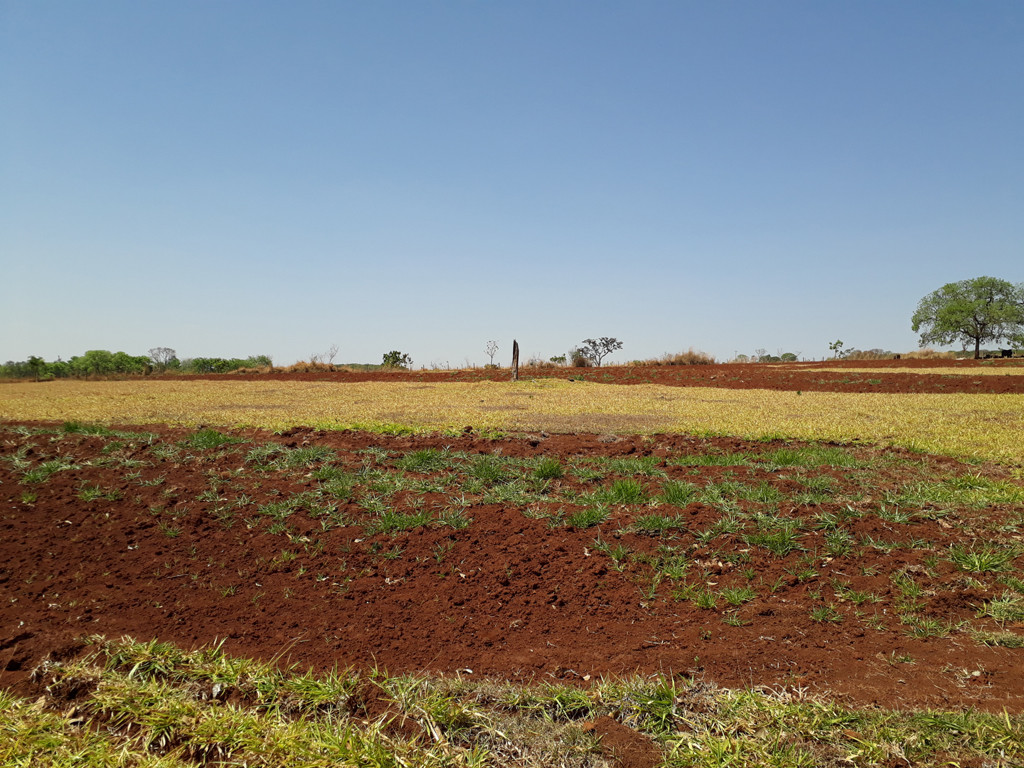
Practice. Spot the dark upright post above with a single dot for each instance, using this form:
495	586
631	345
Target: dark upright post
515	360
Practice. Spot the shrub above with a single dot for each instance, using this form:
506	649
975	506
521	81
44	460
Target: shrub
689	357
577	359
396	359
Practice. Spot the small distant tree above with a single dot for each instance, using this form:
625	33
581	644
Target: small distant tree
836	348
332	352
597	350
492	350
978	310
37	365
163	357
396	359
558	359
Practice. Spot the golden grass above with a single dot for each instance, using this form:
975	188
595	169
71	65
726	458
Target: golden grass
966	425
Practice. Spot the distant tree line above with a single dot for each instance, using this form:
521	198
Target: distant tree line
101	362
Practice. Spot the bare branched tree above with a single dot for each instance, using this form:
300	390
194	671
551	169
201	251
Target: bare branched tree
162	356
492	350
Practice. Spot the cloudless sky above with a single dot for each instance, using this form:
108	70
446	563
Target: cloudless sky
243	177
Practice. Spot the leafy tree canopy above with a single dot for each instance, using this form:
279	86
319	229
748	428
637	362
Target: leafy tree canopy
596	350
978	310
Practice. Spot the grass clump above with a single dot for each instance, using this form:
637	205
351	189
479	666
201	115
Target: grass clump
656	524
209	439
982	558
677	494
588	517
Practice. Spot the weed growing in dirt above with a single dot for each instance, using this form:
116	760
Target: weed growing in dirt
208	440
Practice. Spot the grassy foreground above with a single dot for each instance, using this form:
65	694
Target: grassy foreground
153	704
970	426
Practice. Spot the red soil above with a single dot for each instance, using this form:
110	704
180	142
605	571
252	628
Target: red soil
509	597
781	376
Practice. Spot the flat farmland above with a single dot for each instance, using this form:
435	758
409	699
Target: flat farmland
454	571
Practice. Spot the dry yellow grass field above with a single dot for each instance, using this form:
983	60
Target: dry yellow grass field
979	426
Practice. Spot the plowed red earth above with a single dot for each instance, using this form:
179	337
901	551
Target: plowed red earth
509	596
781	376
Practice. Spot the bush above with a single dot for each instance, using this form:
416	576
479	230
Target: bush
689	357
396	359
869	354
929	354
577	359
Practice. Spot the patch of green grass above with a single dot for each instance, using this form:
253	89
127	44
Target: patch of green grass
737	595
656	524
588	517
677	494
1003	639
491	470
982	558
826	614
923	627
145	695
810	456
712	460
972	491
454	517
646	466
779	535
90	492
42	471
425	460
392	521
208	440
1007	608
548	468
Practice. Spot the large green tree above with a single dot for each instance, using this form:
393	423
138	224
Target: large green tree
979	310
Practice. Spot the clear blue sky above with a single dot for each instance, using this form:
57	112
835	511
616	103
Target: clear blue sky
236	178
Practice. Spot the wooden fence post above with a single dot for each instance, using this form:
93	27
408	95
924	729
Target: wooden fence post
515	360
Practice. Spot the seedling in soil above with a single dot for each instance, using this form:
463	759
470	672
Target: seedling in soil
923	627
1008	608
826	614
95	492
454	517
704	599
617	553
737	595
838	543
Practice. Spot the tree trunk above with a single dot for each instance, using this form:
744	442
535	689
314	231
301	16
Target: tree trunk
977	348
515	360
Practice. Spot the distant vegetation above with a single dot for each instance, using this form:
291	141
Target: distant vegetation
102	363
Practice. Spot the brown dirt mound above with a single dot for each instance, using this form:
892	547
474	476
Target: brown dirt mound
510	596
